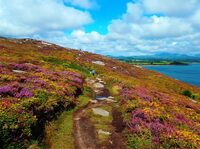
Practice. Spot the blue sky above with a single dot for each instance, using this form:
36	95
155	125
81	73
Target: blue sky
106	11
109	27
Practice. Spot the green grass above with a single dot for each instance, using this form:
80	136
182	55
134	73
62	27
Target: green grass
59	134
114	90
85	98
66	64
143	141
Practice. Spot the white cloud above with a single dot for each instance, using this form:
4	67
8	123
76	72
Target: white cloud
83	37
147	26
29	17
87	4
171	7
195	18
139	32
134	24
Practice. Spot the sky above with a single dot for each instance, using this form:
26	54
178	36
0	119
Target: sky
108	27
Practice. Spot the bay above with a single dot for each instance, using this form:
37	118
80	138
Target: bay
186	73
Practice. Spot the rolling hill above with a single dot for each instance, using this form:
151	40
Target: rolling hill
48	98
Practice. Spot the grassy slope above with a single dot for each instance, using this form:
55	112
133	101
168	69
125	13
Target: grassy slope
147	98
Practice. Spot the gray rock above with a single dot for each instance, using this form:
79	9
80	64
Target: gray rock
110	100
77	119
111	97
100	111
98	85
19	71
93	101
101	98
103	132
98	63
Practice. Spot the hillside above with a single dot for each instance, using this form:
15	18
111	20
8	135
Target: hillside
48	97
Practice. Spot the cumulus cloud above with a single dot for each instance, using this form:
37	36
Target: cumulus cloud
195	18
152	26
171	7
147	26
29	17
86	4
83	37
136	24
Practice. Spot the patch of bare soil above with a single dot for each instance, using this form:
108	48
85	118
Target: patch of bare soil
103	92
85	134
116	140
118	122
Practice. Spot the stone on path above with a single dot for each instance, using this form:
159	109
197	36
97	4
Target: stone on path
100	111
110	100
101	98
93	101
111	97
103	132
102	82
90	81
98	85
99	79
77	119
97	90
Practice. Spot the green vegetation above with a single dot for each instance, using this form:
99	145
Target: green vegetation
84	99
188	93
143	141
59	133
66	64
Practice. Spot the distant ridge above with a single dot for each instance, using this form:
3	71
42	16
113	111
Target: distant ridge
162	56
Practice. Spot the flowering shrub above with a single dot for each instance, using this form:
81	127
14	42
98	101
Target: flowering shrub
26	67
29	99
15	90
163	116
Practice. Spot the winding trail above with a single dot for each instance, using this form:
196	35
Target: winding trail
85	134
84	131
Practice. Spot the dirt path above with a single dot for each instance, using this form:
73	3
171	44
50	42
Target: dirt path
84	131
85	134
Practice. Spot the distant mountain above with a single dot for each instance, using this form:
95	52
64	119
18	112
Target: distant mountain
163	56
